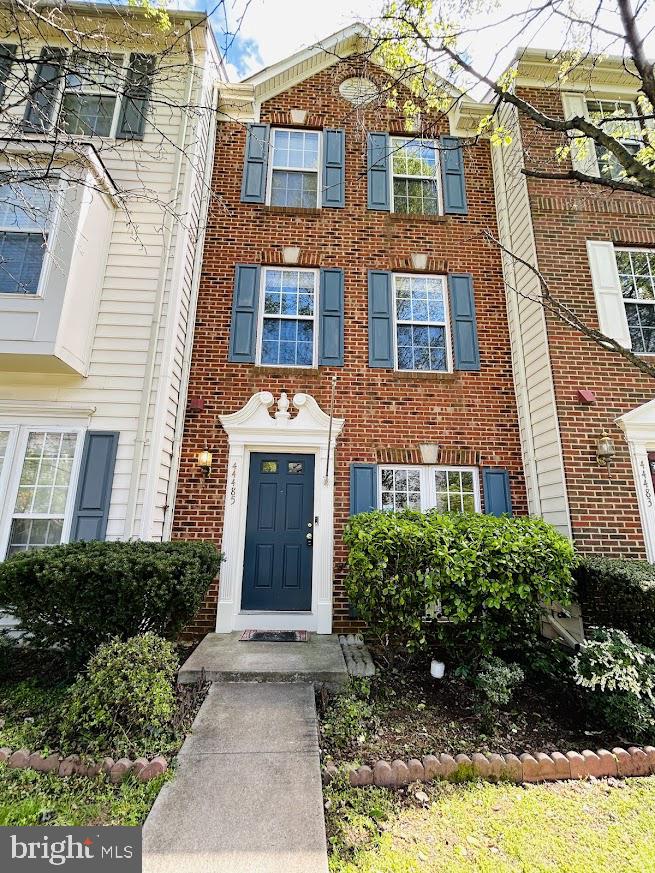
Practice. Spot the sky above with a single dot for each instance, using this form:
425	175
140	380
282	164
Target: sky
270	30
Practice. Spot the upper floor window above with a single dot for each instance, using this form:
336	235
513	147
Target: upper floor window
618	115
421	331
415	176
446	489
637	276
287	328
295	168
90	99
25	218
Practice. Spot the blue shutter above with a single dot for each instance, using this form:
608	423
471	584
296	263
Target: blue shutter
245	304
7	58
94	486
497	498
138	87
330	323
378	171
363	488
43	90
462	319
255	164
334	167
380	321
452	175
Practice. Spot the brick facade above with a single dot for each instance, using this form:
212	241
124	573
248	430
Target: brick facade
565	214
387	414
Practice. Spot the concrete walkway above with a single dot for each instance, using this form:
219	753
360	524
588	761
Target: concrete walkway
247	794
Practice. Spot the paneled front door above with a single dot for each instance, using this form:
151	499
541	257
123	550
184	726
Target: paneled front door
277	567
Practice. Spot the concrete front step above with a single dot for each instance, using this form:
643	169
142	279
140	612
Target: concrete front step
225	658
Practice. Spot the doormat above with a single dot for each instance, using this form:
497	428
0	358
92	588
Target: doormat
262	636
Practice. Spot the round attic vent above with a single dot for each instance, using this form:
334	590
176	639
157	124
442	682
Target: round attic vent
358	91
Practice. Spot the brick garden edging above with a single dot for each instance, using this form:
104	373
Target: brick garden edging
540	767
143	769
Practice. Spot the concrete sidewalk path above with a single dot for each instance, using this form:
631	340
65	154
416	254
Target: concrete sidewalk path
247	795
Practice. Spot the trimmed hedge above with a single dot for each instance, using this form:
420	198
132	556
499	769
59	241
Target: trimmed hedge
76	596
489	574
618	593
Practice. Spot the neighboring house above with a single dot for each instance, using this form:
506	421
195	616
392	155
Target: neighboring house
98	269
596	250
344	272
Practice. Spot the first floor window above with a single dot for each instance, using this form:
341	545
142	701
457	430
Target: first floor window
287	323
415	170
637	276
421	332
614	117
446	489
25	216
294	168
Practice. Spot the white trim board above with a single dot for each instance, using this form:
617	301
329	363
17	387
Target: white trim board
638	426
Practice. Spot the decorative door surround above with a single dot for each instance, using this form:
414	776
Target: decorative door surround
253	428
638	425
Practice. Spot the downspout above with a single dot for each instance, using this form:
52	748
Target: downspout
155	327
176	453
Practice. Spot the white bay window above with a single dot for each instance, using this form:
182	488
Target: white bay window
446	489
25	221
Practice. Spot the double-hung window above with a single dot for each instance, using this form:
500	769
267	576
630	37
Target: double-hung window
616	114
91	89
287	324
25	217
421	323
415	168
637	277
295	168
446	489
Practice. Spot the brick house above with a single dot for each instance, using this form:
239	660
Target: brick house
351	347
596	250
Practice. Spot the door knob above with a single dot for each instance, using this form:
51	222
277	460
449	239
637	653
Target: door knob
310	538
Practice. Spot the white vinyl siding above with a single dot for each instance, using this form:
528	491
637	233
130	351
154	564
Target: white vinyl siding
446	489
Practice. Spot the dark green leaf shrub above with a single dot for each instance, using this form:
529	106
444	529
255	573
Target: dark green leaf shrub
124	702
487	574
73	597
618	593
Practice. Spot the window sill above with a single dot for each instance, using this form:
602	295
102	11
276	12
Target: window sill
272	370
293	210
421	376
411	217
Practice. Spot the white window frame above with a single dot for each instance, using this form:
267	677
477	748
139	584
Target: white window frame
636	249
449	353
271	167
14	464
609	99
437	177
428	486
49	234
314	318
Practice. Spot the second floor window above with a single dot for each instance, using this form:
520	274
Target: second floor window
415	169
294	168
25	216
422	341
637	276
616	114
90	98
287	322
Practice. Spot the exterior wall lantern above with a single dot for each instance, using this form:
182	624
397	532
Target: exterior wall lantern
605	449
205	461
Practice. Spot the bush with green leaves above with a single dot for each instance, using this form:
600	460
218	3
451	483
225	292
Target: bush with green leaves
487	576
498	680
618	593
619	678
74	597
124	702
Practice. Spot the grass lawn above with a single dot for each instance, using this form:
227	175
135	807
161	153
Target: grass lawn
571	827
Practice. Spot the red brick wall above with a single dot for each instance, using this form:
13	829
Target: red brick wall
382	409
604	510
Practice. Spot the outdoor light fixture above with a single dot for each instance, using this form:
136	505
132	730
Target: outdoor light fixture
605	449
205	461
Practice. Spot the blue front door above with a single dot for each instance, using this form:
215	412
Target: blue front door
277	566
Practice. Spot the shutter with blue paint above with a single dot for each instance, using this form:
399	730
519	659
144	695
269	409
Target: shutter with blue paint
330	322
94	486
497	497
462	319
7	58
334	167
43	90
452	176
380	321
255	164
138	87
378	171
245	303
363	488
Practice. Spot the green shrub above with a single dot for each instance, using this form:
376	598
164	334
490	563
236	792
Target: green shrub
619	677
76	596
497	680
124	702
488	575
618	593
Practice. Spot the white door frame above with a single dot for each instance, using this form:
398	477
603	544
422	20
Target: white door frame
254	429
638	426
